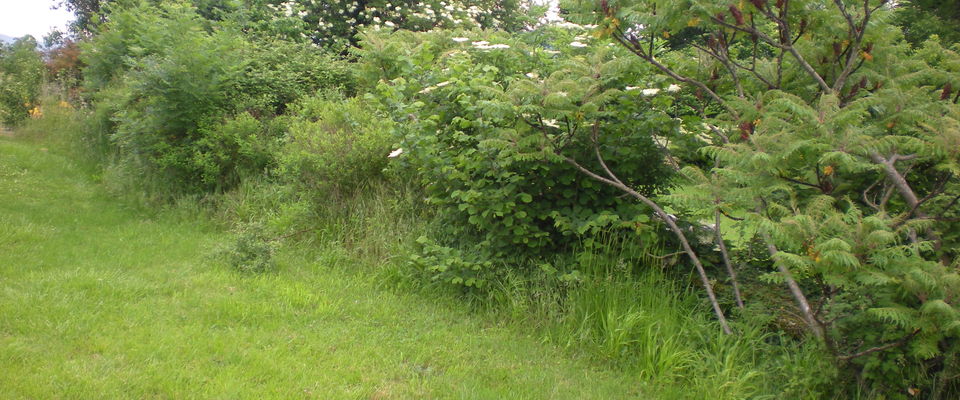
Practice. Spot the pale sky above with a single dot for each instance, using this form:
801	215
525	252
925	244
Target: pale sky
32	17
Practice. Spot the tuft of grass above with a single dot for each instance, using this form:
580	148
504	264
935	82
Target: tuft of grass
98	300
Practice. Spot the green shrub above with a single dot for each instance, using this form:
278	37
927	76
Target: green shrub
135	31
21	78
335	147
478	120
277	73
175	98
192	103
226	152
838	154
251	251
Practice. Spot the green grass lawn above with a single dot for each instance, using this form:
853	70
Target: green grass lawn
98	300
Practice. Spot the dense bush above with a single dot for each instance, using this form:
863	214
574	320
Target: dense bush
251	252
278	72
335	147
192	105
922	19
478	120
21	78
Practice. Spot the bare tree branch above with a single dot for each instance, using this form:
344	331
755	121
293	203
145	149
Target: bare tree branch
783	44
872	350
612	180
726	257
635	48
895	177
812	322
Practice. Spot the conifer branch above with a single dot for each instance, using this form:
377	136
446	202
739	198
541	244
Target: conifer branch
952	203
726	214
866	195
895	177
908	194
939	189
795	290
753	71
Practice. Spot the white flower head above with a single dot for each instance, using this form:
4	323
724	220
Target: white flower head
568	25
396	153
577	44
673	88
650	92
532	75
551	123
628	88
461	39
484	45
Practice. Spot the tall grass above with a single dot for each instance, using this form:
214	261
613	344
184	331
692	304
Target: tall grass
617	305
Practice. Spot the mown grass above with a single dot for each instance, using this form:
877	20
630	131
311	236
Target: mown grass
99	300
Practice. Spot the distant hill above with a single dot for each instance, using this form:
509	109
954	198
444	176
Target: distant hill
6	39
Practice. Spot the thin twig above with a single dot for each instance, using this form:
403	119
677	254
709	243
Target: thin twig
872	350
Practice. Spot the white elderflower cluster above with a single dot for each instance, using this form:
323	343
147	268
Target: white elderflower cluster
552	15
339	19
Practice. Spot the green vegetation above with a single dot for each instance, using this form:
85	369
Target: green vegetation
748	200
21	77
101	300
481	158
825	147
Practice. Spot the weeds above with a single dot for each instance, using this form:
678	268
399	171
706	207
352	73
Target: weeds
251	252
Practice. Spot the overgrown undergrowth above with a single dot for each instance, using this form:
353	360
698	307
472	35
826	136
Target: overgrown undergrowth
606	302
